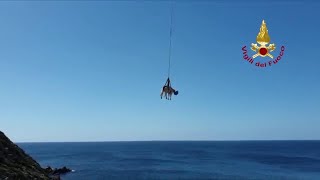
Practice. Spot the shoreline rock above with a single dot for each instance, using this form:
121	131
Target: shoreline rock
16	164
57	171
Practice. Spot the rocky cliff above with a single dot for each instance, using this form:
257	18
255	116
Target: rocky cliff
16	164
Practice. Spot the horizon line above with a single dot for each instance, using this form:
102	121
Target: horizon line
110	141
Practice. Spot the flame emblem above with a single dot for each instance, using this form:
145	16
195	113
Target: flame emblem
263	39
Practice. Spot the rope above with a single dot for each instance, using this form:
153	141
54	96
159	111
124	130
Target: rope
170	42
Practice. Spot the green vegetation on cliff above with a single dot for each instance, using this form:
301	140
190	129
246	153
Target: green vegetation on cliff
16	164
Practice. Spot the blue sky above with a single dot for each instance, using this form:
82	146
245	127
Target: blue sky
93	71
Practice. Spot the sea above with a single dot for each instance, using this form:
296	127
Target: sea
181	159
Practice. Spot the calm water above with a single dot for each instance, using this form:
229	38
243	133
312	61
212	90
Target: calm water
182	160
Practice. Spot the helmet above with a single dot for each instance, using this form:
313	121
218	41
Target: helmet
176	93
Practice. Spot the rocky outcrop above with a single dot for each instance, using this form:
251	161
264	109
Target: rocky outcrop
15	164
57	171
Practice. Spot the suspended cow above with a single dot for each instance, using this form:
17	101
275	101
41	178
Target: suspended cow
167	90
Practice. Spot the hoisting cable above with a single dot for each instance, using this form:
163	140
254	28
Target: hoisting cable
170	42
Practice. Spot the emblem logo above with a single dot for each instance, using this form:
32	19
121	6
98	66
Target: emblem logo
263	49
